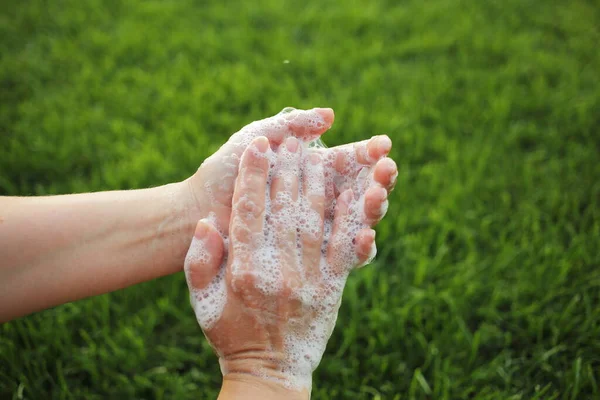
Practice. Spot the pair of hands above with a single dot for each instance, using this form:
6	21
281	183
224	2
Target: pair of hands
284	226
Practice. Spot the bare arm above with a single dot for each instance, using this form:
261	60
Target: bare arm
58	249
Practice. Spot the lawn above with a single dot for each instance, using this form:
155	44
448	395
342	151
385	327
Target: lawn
487	282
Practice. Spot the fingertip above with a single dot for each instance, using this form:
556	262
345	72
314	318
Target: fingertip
366	247
255	156
306	125
315	159
214	243
261	143
379	193
209	236
380	146
202	228
386	173
388	164
374	204
371	234
292	144
327	114
384	144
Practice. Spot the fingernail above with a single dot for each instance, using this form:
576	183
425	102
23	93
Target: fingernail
381	193
292	144
262	144
384	144
315	159
201	229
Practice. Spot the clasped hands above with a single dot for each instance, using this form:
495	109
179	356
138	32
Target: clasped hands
284	224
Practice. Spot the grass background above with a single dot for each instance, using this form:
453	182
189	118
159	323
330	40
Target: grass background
487	284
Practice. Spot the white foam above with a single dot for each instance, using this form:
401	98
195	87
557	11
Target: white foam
208	303
273	252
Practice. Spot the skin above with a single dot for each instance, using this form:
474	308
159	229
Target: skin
57	249
252	358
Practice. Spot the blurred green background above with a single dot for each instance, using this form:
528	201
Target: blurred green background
487	284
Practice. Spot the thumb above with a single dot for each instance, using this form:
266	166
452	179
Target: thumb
204	257
305	125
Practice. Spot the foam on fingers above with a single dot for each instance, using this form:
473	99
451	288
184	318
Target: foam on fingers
205	256
386	173
306	125
366	248
285	207
248	205
375	204
220	169
204	273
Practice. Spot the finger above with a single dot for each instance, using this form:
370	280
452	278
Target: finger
374	149
204	274
366	152
306	125
284	194
203	260
284	187
247	214
248	204
313	187
386	173
340	252
352	162
375	205
365	247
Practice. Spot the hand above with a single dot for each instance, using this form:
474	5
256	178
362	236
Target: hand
210	189
271	309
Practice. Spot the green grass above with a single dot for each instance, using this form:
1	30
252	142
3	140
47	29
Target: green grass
487	284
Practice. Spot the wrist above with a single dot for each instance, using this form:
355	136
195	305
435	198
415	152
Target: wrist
272	368
238	385
174	233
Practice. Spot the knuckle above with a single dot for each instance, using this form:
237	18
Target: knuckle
254	174
312	236
317	201
241	233
280	200
243	283
249	207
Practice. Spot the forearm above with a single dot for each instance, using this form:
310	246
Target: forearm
62	248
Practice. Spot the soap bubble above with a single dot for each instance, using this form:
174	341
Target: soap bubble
304	345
